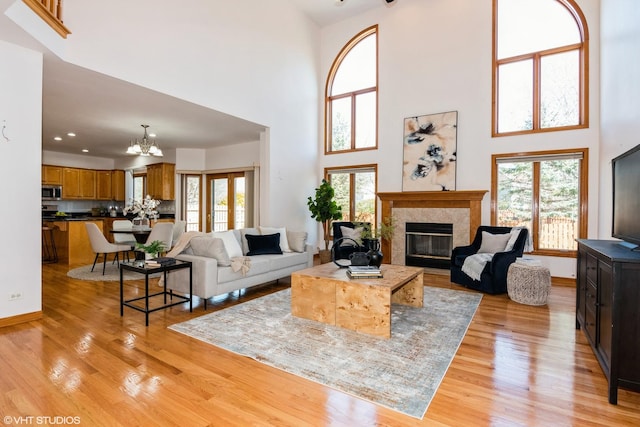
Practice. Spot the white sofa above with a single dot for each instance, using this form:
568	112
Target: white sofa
212	276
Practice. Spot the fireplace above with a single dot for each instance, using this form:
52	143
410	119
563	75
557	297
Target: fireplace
428	244
460	208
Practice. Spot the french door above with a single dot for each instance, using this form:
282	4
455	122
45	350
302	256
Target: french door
226	201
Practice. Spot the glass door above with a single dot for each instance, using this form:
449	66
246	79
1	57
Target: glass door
226	201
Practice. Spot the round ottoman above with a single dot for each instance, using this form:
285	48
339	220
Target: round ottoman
528	284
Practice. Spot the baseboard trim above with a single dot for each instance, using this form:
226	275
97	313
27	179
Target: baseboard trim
563	281
21	318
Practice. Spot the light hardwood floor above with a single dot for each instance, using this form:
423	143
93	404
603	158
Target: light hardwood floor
517	365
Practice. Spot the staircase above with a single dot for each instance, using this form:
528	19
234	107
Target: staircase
51	12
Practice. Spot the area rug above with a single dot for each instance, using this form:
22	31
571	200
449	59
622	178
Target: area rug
111	273
401	373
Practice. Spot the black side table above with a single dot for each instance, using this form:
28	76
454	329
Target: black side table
142	268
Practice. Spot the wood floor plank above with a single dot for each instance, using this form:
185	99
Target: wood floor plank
517	365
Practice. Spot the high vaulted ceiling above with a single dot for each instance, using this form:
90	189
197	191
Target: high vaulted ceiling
106	113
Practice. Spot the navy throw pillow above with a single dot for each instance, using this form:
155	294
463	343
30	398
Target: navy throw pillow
263	244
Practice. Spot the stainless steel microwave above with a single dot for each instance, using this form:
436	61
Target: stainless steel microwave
51	192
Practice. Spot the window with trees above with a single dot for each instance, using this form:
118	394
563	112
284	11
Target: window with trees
352	96
355	191
540	52
191	201
139	186
545	192
227	196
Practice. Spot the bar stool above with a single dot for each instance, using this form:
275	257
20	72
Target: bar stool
49	252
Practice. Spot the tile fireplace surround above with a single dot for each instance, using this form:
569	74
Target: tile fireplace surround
460	208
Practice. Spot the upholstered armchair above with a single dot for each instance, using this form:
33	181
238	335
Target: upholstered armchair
487	270
343	248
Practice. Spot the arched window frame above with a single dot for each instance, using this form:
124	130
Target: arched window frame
329	98
536	57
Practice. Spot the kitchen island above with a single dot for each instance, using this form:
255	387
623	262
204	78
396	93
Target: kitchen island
72	240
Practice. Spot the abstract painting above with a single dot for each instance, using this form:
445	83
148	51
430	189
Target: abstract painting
430	152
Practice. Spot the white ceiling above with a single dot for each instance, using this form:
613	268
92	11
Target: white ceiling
106	113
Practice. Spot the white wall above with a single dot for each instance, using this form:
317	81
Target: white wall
435	56
76	160
620	102
252	59
20	159
233	156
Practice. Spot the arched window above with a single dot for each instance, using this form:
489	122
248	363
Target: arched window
351	110
540	80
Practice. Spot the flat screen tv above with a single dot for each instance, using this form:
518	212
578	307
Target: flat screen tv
626	196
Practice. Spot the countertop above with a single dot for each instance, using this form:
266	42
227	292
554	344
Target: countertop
84	217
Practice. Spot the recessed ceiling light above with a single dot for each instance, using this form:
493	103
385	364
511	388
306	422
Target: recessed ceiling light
84	150
71	134
57	138
152	135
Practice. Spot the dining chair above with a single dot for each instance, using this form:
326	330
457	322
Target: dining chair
101	245
124	238
162	231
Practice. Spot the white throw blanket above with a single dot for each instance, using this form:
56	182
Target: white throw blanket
474	264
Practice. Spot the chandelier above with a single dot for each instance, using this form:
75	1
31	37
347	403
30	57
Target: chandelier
145	147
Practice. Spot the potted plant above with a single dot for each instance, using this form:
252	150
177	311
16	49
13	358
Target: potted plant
152	249
324	209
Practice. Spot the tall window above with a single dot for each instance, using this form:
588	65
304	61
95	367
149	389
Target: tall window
139	186
352	95
355	191
540	79
545	192
191	201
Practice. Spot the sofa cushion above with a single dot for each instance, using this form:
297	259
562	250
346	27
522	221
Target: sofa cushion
284	244
210	247
297	240
231	244
243	238
258	265
287	260
263	244
492	243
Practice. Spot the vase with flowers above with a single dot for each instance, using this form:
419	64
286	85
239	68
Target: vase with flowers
145	210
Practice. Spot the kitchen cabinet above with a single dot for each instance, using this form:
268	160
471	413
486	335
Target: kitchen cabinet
104	189
78	183
87	184
70	183
51	175
117	185
160	181
607	299
72	241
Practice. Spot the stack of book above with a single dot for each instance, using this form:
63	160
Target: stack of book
159	262
364	272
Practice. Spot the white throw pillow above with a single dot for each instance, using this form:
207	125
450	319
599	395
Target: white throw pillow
297	240
284	243
231	244
210	247
351	233
492	243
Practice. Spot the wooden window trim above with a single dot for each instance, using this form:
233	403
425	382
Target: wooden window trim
328	98
583	49
185	177
583	211
354	168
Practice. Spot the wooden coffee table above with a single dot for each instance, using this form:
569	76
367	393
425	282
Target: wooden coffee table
325	294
